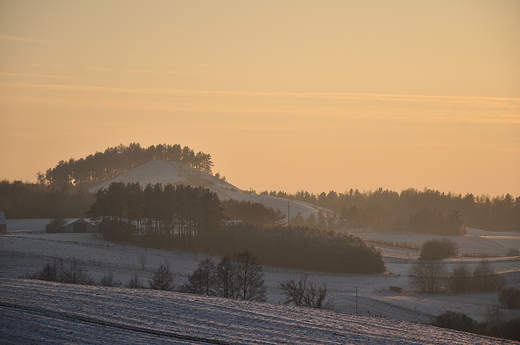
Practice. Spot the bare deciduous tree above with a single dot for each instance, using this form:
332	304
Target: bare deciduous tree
305	293
427	275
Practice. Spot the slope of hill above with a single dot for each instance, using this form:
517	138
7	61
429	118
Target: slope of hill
165	172
43	312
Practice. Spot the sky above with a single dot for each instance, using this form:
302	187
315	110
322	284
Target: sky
285	95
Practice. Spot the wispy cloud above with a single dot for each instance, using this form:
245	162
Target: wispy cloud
36	75
335	107
130	70
25	39
202	65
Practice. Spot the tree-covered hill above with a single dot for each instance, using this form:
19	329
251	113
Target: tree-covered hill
117	160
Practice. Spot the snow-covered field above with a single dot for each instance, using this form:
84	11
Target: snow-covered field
35	312
26	249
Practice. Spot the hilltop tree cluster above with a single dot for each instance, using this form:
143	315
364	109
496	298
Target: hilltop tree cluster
117	160
165	216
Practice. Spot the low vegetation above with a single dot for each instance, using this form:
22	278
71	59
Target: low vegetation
509	329
64	272
431	276
510	297
299	248
438	249
305	293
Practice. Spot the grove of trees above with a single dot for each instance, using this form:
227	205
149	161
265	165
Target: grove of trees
117	160
169	216
237	277
431	276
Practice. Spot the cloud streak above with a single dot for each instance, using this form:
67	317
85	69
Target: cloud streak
24	39
36	75
406	108
129	70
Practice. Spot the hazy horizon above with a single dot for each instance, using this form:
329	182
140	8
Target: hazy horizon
285	95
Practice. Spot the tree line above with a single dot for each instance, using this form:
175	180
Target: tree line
386	210
185	217
117	160
31	200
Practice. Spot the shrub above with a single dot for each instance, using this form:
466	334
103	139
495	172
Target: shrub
485	278
459	280
305	293
438	249
202	280
427	275
109	280
60	272
510	297
54	225
135	282
457	321
162	279
510	329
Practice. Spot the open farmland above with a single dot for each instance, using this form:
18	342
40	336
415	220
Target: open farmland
44	312
26	249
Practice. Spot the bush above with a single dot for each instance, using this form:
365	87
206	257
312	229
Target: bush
460	279
457	321
60	272
162	279
305	293
510	297
427	275
135	282
202	280
486	279
54	225
510	329
438	249
109	280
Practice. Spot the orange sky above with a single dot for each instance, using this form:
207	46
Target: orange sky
285	95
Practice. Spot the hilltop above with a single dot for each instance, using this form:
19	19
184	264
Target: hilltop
171	172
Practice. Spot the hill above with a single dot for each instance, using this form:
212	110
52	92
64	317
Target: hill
165	172
43	312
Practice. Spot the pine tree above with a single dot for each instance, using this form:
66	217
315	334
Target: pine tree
162	279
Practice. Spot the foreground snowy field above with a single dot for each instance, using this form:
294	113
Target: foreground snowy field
36	312
26	250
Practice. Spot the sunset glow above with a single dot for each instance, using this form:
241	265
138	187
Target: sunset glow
285	95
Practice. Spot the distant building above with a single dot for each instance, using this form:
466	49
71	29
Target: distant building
78	225
3	222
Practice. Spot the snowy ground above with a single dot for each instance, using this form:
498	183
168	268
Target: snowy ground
25	250
36	312
166	172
